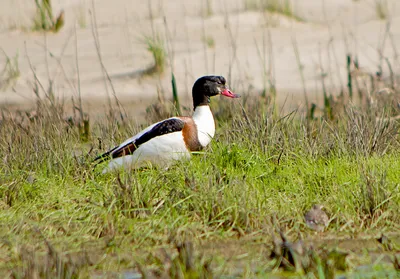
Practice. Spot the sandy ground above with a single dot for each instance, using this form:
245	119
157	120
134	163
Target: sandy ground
250	47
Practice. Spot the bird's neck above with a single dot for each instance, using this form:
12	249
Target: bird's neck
204	120
200	100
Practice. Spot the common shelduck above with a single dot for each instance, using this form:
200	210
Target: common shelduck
173	138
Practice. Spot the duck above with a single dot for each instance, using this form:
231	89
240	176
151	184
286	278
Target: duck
174	138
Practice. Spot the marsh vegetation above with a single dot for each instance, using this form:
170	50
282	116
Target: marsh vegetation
236	209
260	175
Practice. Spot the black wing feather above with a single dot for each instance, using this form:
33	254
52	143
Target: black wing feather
165	127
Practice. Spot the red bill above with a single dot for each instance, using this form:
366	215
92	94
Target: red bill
226	92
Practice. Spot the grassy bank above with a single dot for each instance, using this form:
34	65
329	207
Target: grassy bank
60	217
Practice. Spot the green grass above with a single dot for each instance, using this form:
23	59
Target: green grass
155	45
209	41
258	176
44	19
283	7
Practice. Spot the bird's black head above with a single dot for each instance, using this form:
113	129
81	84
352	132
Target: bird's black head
208	86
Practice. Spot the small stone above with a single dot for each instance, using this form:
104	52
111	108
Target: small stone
30	179
316	218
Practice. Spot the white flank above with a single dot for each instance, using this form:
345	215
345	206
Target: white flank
204	120
159	151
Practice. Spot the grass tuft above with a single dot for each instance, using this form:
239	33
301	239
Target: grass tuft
181	262
155	46
50	264
44	19
283	7
381	9
209	41
10	72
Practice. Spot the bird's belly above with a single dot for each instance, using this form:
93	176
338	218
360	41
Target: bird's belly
159	151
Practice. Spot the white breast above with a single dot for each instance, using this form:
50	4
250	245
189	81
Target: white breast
204	120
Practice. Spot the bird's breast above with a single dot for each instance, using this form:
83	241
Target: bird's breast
205	124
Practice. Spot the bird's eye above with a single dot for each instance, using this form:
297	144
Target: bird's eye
219	82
